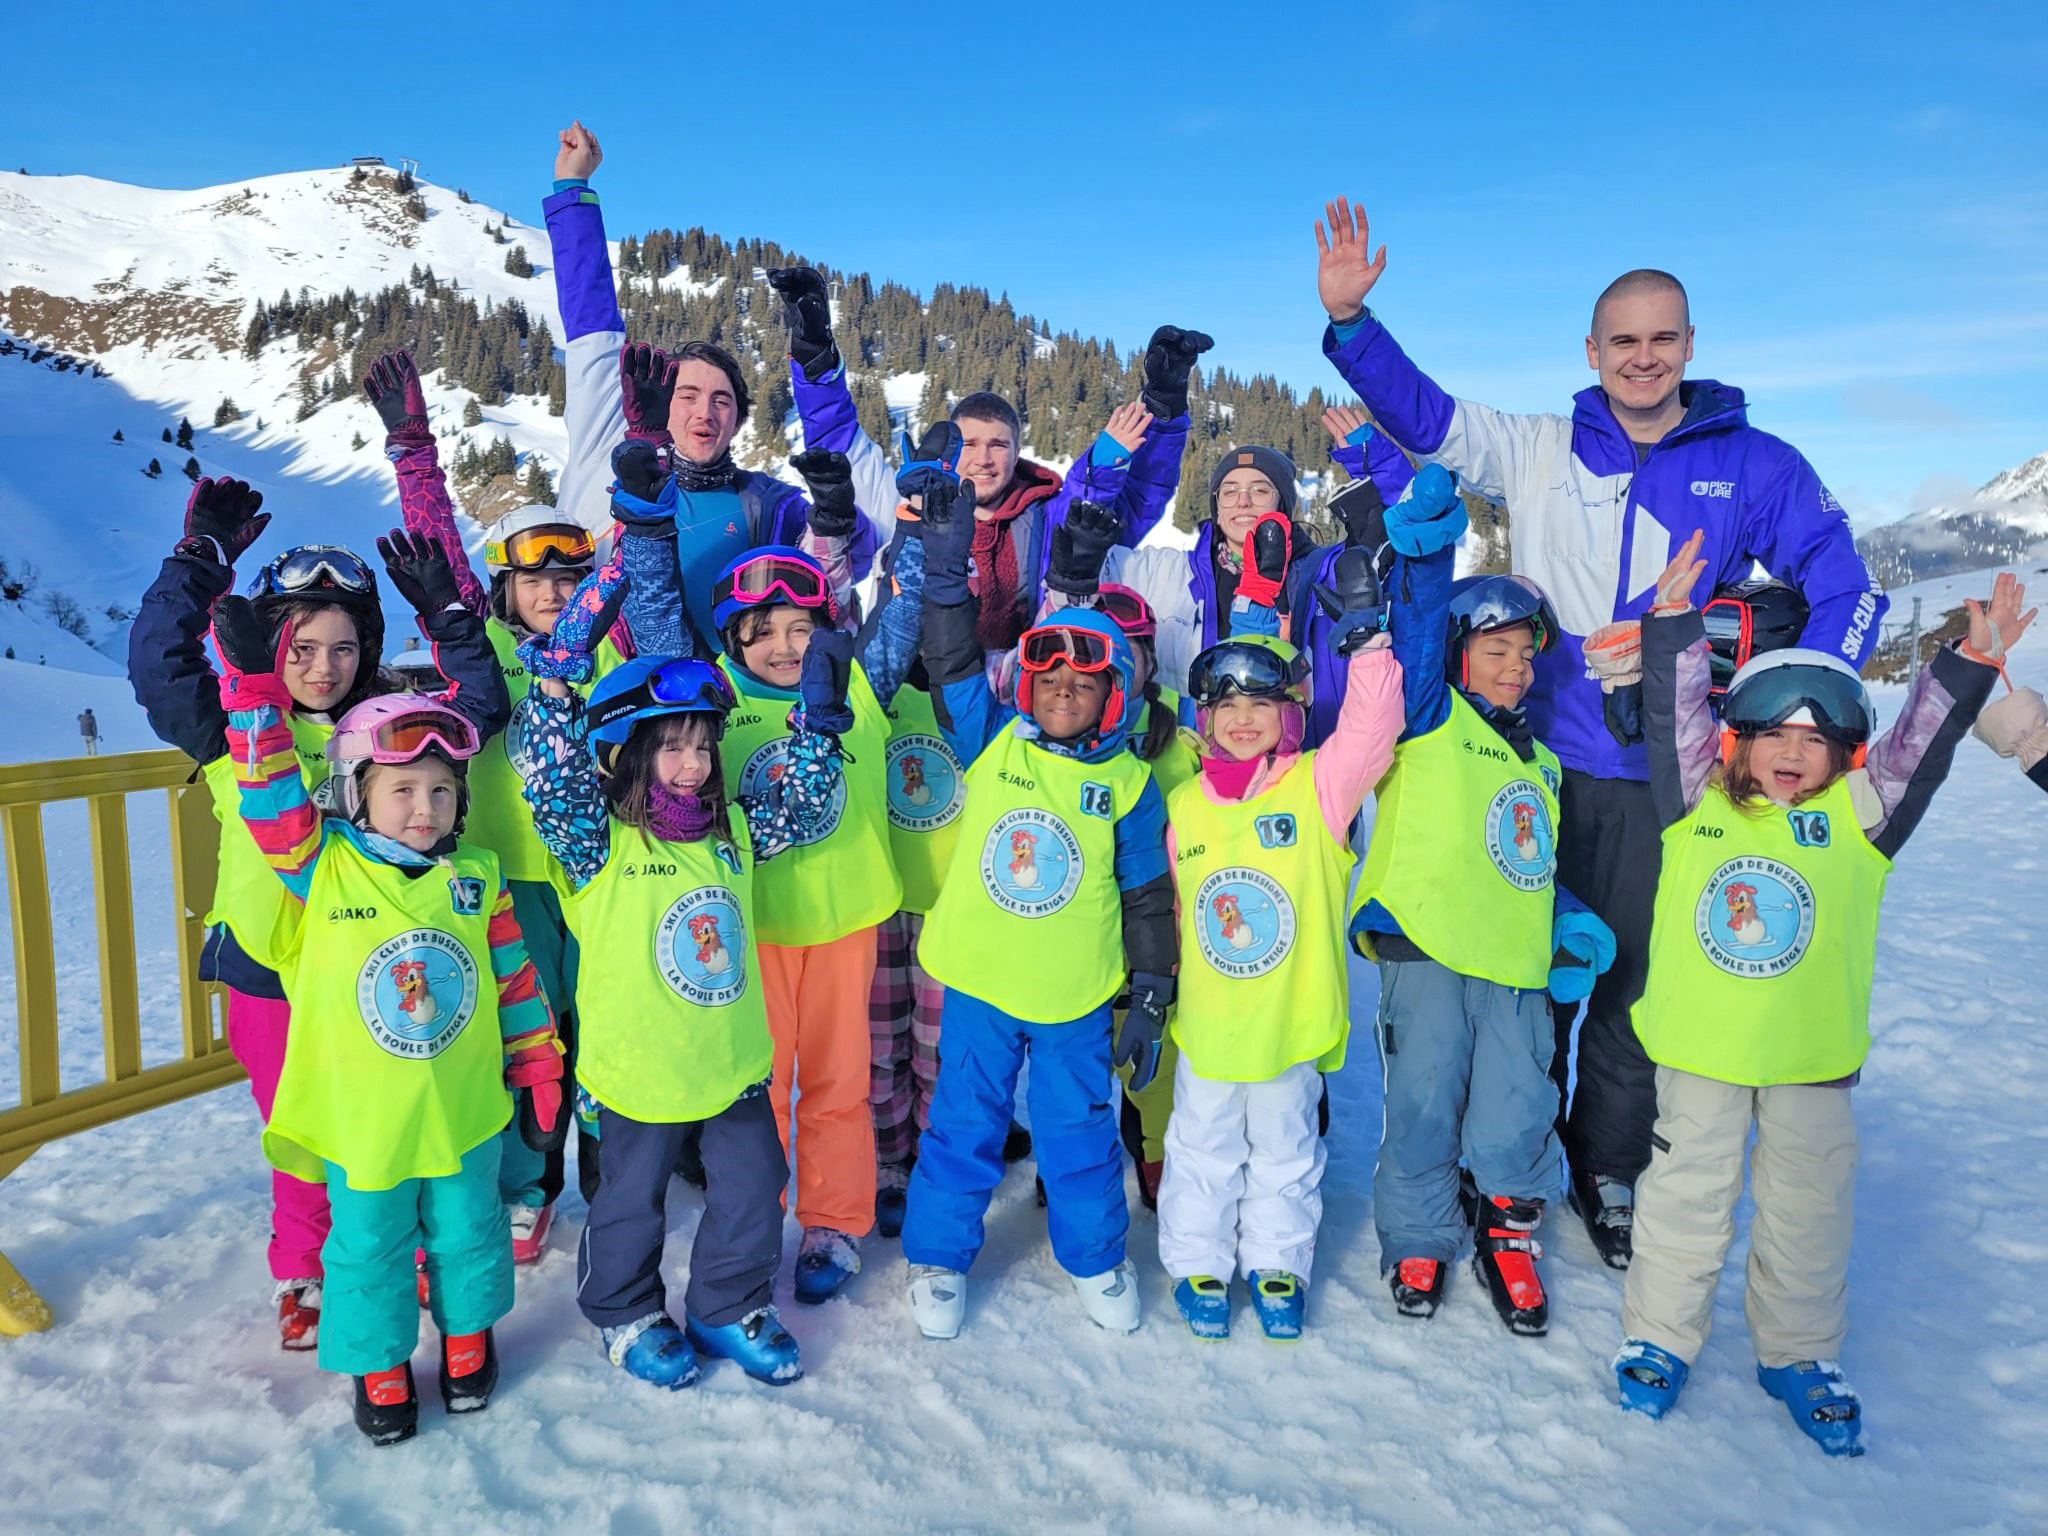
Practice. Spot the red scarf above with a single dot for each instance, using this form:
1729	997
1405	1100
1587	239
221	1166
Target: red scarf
993	578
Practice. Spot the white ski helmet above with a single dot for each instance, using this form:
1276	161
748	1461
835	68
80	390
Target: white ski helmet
1798	686
530	537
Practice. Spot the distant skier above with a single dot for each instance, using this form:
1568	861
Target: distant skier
89	732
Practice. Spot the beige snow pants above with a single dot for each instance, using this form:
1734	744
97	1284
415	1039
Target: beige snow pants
1802	1173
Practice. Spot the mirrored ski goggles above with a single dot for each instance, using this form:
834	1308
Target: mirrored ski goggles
531	549
1731	637
1836	705
1133	615
691	684
313	568
402	738
1251	670
773	576
1051	645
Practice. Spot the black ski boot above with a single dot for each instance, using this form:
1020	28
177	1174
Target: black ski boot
1504	1255
1608	1208
469	1371
1418	1286
387	1407
1016	1143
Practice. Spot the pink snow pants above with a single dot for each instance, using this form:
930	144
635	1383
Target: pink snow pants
299	1217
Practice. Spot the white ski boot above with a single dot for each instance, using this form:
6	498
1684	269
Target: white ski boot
938	1300
1111	1298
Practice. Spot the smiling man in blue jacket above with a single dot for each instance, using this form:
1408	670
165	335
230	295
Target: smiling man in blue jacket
1597	503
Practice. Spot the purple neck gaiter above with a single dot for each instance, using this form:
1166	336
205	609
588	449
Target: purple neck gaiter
677	818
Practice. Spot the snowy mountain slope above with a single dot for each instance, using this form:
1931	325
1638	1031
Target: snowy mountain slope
2005	520
160	1402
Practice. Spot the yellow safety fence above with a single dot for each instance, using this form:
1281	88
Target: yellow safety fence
47	1111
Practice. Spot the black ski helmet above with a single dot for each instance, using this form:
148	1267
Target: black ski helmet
1750	618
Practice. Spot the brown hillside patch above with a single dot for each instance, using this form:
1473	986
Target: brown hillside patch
95	326
377	202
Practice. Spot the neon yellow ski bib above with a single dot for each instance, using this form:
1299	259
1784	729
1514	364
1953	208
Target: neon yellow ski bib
1029	916
1764	942
499	818
1464	850
927	788
1182	759
395	1063
671	1021
247	894
842	878
1261	888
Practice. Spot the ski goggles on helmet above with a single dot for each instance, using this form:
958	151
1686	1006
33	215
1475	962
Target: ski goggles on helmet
680	685
774	577
315	568
1482	604
1051	645
1748	620
1133	615
1818	695
532	549
402	733
1239	666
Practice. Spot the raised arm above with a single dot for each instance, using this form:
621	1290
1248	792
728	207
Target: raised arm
791	808
420	571
1678	721
1360	748
392	386
593	330
824	404
569	813
274	800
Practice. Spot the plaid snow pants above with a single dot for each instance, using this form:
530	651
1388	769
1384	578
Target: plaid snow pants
903	1034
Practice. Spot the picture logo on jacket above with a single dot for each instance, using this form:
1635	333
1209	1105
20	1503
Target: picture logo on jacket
1755	917
700	947
417	992
767	765
1722	489
1030	863
1519	837
926	788
1244	922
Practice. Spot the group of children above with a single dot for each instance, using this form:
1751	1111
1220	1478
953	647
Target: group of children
664	875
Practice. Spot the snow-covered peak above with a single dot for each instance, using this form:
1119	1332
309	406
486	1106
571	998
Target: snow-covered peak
2022	481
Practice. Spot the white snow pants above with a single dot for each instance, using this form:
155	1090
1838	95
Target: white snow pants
1244	1174
1802	1173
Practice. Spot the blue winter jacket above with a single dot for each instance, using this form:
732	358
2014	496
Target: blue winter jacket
1594	526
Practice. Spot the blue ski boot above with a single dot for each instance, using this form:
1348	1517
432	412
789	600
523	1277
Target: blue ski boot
1649	1378
1205	1302
758	1342
1279	1299
1824	1405
824	1263
654	1350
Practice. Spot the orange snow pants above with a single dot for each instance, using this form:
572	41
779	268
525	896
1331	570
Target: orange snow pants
817	997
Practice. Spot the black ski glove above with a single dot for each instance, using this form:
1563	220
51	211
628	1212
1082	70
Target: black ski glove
1169	358
828	670
830	478
1363	512
643	497
1078	547
947	528
1353	599
1621	707
647	381
221	520
419	569
247	643
808	314
1142	1027
393	386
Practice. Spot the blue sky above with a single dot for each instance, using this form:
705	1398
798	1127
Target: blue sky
1855	194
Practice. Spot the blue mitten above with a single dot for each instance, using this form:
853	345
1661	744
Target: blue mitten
1584	949
1430	516
828	670
570	652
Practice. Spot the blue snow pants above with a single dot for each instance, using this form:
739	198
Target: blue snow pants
369	1309
1073	1131
1467	1066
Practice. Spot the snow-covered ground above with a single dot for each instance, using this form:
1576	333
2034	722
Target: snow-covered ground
161	1403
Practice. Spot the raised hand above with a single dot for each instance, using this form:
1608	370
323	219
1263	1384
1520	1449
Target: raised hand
578	154
221	520
1674	587
1353	599
568	654
419	569
1431	516
807	311
828	672
247	645
1340	421
1995	631
1079	546
829	476
1267	549
930	465
393	386
647	382
1169	359
1345	269
1128	424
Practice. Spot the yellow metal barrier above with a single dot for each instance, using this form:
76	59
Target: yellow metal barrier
46	1112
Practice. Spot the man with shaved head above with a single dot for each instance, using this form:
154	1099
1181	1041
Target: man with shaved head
1598	501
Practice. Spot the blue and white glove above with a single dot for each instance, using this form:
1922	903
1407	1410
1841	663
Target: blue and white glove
570	653
1583	950
1430	516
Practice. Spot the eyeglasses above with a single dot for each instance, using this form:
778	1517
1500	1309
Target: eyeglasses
1260	495
1052	645
1133	615
313	568
795	581
402	738
1252	670
530	549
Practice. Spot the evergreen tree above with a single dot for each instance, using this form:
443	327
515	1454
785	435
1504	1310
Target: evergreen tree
516	262
184	438
167	434
416	208
191	469
472	413
154	469
404	183
462	196
226	413
357	441
117	436
536	485
309	398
